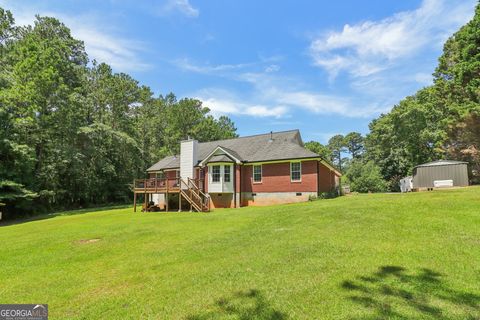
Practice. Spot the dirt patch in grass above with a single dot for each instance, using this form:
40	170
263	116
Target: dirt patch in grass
87	241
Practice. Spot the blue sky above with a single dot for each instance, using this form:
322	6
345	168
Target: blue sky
325	67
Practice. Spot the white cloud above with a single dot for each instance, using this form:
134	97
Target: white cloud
221	102
186	65
369	47
291	94
272	68
264	64
121	54
182	6
279	98
102	43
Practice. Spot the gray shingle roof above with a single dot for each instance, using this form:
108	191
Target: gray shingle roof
220	158
283	145
441	163
169	162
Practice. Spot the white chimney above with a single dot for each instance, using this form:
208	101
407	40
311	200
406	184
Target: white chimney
188	158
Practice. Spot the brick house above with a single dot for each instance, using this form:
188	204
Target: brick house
262	169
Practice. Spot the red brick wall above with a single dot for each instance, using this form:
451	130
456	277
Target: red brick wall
170	174
326	178
223	200
276	178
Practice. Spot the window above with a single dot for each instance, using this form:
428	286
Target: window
257	173
215	173
226	173
296	171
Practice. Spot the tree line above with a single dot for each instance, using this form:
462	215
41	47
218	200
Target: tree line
441	121
73	133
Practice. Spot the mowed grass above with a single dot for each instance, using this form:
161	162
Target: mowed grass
378	256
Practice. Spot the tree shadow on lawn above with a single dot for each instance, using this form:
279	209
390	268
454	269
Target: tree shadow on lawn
242	305
394	293
45	216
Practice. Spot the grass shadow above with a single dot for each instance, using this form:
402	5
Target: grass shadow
392	292
45	216
242	305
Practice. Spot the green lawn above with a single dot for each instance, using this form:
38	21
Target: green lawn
398	256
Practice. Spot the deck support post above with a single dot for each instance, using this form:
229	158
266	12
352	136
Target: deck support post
134	202
166	201
180	201
145	202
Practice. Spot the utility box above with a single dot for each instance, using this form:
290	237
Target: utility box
406	184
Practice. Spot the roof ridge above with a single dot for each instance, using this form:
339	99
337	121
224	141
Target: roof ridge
253	135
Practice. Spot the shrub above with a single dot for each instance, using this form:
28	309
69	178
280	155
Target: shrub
365	177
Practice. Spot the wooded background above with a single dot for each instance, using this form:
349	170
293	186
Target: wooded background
74	134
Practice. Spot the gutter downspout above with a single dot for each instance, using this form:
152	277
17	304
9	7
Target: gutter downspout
234	185
240	195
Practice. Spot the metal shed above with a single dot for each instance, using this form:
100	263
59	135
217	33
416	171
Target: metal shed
441	173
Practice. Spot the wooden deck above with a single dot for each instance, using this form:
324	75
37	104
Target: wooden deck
191	190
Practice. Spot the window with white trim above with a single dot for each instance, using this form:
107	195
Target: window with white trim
226	173
296	171
215	173
257	173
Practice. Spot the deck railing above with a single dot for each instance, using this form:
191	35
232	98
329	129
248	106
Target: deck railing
164	184
157	184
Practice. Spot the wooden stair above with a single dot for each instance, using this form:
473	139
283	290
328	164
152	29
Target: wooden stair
192	193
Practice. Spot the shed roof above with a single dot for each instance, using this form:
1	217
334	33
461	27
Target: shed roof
282	145
441	163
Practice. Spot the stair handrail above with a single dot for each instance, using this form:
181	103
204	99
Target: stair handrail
198	197
203	203
192	202
197	188
206	197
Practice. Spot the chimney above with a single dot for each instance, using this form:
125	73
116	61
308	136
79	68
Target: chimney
188	158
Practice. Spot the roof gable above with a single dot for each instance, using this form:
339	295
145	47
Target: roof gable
222	152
